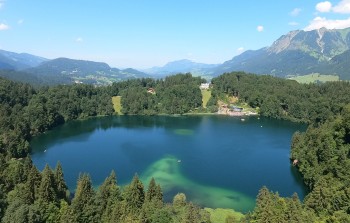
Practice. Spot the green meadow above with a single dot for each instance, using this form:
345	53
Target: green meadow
313	78
206	94
117	104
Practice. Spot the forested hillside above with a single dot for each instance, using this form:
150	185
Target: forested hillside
323	155
284	99
176	94
69	71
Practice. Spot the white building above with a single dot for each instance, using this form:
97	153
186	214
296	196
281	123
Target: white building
204	86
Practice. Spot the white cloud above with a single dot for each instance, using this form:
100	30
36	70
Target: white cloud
19	22
240	50
324	6
295	12
260	28
293	23
320	22
1	3
342	7
79	40
3	26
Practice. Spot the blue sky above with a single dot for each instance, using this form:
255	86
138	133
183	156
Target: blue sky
146	33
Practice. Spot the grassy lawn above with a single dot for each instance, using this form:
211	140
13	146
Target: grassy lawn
312	78
117	104
206	94
219	215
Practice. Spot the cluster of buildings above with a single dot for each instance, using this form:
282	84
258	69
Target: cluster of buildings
233	110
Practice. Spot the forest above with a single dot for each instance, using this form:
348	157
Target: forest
284	99
28	195
177	94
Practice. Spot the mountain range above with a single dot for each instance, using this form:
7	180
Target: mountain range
296	53
41	71
180	66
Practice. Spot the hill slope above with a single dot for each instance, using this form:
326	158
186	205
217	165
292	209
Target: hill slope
65	70
18	61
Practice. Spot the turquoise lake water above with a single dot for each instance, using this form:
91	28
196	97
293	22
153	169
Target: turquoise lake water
217	161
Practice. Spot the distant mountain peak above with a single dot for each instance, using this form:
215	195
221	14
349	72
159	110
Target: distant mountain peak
299	52
180	66
283	42
321	43
182	61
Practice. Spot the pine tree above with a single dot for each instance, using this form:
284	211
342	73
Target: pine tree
134	195
154	192
295	209
33	183
27	165
66	214
61	186
82	203
47	192
107	197
319	198
264	206
153	201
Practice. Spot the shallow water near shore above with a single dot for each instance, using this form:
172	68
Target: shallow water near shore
217	161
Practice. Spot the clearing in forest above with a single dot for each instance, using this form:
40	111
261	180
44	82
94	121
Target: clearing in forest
117	104
206	94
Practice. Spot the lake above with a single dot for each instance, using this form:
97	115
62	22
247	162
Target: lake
217	161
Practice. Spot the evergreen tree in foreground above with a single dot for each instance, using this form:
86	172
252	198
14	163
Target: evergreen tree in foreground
61	187
108	199
134	196
83	202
